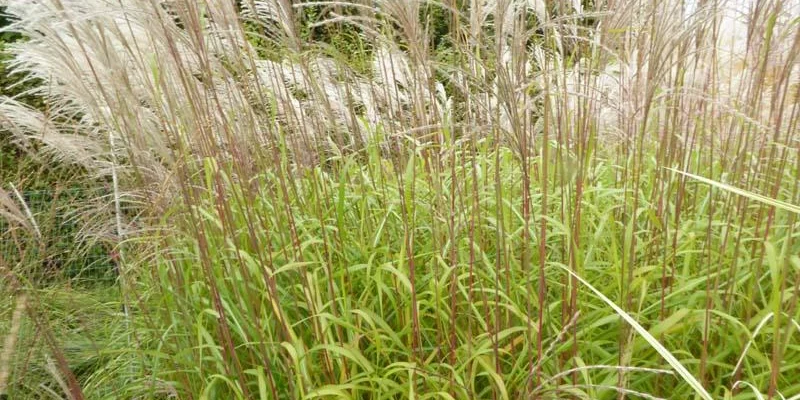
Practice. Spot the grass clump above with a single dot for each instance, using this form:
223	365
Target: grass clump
304	288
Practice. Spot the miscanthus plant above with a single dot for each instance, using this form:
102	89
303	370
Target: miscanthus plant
433	199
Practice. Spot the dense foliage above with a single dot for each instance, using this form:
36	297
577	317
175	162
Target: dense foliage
401	199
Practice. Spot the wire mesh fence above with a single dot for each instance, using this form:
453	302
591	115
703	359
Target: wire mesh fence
71	244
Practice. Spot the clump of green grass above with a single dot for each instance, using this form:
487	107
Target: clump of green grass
304	287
